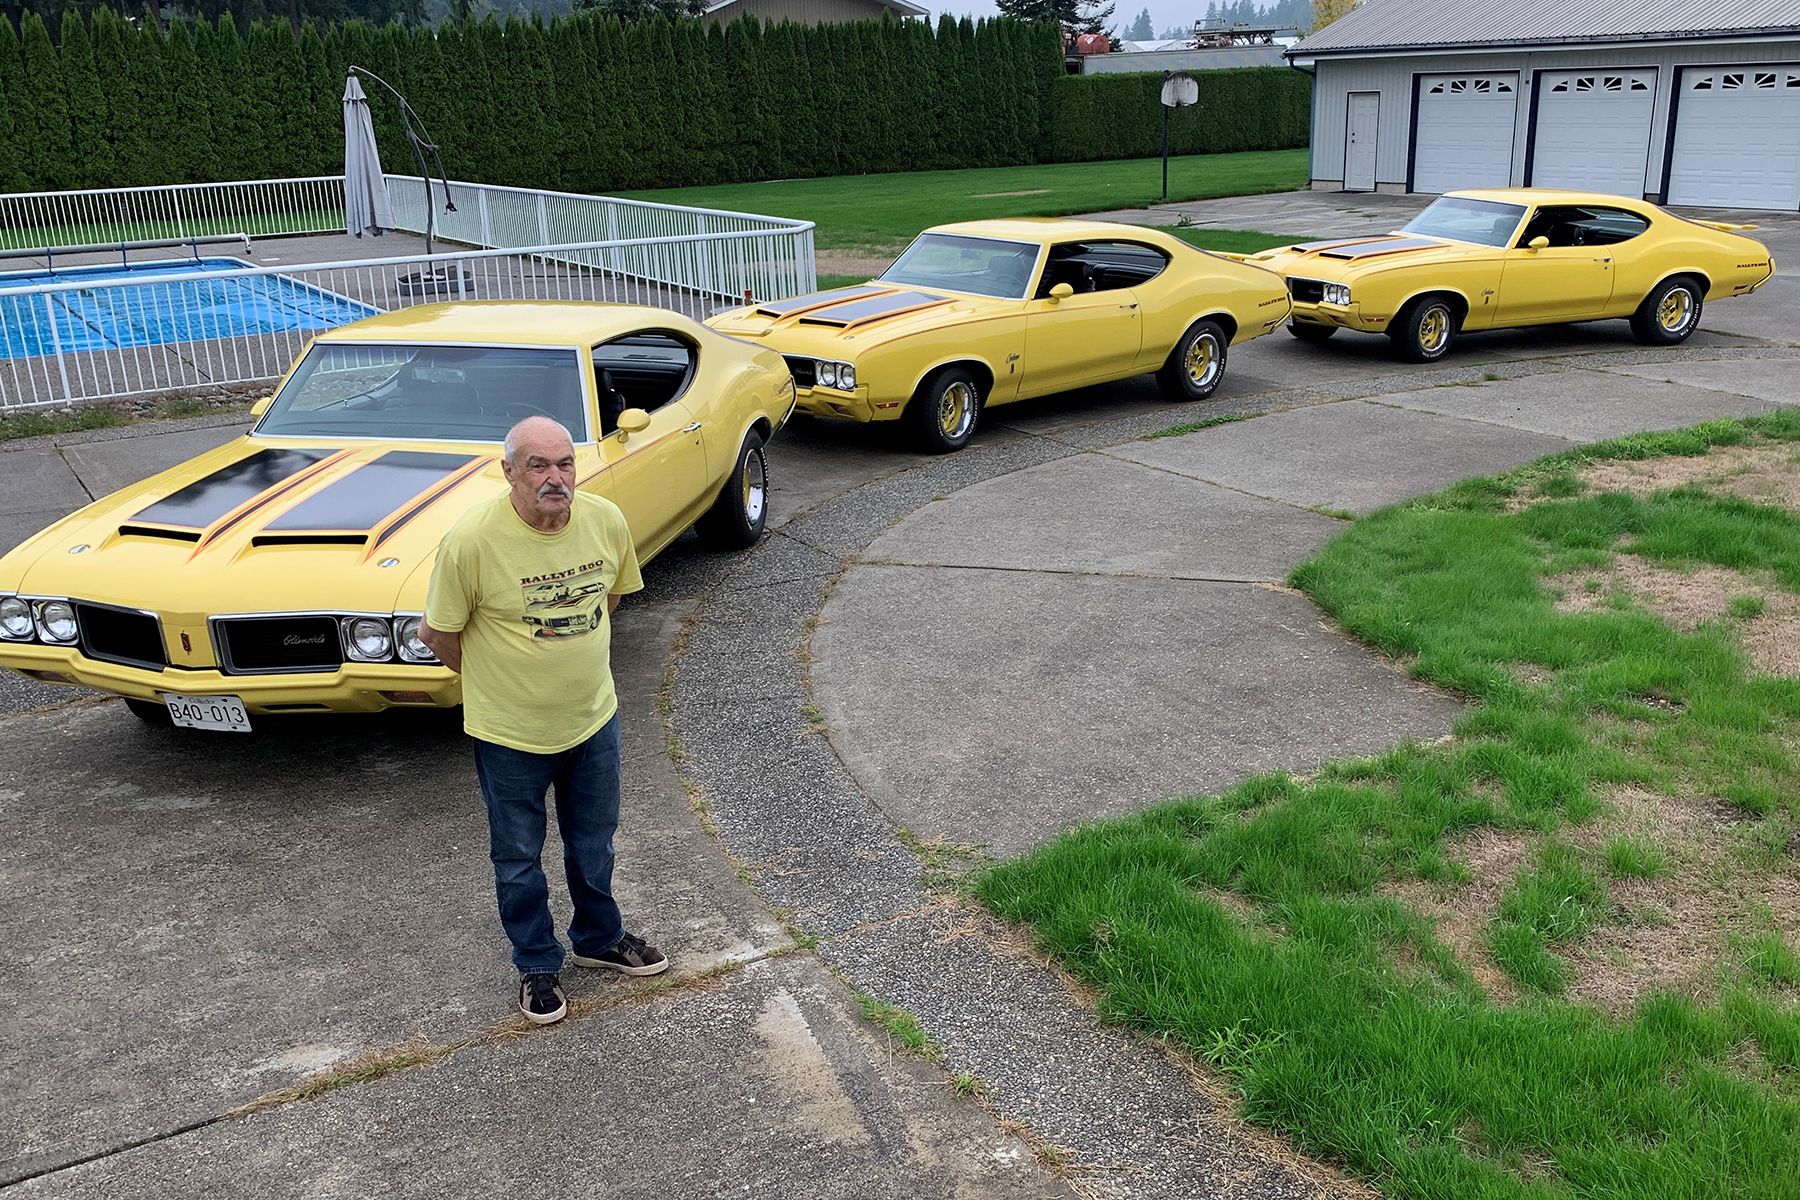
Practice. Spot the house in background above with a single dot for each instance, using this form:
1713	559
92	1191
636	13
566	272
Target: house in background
1677	101
812	12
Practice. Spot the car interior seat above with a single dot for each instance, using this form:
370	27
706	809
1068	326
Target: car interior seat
612	403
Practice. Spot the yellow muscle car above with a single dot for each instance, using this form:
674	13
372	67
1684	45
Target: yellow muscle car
285	572
1506	257
987	312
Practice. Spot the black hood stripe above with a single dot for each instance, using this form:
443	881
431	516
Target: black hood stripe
206	500
1385	246
794	304
369	495
867	310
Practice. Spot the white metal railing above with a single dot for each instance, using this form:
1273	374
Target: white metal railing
88	339
259	207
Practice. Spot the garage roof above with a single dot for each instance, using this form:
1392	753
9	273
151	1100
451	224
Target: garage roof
1380	26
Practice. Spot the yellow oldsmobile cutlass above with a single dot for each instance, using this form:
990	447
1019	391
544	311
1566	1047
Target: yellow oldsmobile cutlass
286	570
983	313
1507	257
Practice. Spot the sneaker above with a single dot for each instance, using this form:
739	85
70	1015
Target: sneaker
632	956
541	999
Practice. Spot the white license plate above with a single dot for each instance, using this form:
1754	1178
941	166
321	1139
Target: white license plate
208	712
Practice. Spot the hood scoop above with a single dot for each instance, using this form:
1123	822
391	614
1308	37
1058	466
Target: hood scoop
153	531
860	312
310	539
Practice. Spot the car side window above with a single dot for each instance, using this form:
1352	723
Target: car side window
646	370
1582	225
1101	266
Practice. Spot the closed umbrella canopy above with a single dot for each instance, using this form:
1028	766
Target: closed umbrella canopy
366	206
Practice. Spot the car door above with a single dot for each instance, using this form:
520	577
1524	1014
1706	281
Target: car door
1092	335
1570	279
658	475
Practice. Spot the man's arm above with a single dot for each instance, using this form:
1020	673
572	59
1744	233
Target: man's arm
612	603
445	645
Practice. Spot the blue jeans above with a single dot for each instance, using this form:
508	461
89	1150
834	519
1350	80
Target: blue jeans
586	780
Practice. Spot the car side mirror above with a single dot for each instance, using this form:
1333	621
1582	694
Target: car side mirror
1537	243
632	420
1061	291
262	406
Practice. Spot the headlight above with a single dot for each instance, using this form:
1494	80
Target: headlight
56	621
1337	293
825	373
847	377
368	639
15	619
406	636
834	374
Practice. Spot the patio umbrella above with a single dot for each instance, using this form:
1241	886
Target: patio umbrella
366	206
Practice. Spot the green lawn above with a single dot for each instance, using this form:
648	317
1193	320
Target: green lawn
1339	1013
885	211
33	237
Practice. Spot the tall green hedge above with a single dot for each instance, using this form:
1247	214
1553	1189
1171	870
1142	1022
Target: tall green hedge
586	103
1120	116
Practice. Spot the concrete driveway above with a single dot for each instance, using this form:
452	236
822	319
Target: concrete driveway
928	660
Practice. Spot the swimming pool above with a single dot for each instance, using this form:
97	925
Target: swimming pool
186	310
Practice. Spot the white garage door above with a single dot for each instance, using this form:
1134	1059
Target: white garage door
1464	137
1593	130
1737	138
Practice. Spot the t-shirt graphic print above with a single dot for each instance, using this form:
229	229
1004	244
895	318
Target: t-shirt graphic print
565	603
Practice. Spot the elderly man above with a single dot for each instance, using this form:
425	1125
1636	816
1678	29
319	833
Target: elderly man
521	604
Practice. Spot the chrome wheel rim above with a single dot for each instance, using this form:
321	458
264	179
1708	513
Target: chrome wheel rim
1676	310
956	410
756	486
1203	361
1434	329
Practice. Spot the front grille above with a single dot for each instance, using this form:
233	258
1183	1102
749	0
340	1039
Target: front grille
261	645
802	369
121	636
1306	291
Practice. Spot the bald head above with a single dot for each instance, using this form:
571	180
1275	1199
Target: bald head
540	434
539	463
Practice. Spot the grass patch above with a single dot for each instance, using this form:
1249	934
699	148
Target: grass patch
43	424
901	1027
1745	608
1234	241
1635	858
1193	427
887	210
1336	1011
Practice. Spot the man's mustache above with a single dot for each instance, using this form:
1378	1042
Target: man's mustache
554	489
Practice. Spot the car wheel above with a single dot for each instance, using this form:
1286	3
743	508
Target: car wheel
1669	313
1195	365
1424	331
150	713
736	519
1307	332
945	410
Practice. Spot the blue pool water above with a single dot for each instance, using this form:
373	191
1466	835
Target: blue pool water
189	310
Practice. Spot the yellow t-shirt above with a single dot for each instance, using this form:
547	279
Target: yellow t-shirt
531	608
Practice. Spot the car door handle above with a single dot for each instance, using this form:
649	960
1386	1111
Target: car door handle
1128	306
690	428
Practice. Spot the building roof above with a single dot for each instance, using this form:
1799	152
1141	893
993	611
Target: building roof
899	6
1384	26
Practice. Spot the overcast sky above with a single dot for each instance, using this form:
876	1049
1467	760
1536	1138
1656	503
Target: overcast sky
1164	14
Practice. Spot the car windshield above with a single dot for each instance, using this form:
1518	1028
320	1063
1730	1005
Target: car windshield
1459	219
427	392
984	266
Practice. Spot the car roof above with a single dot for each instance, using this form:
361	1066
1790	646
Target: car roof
512	322
1047	229
1549	196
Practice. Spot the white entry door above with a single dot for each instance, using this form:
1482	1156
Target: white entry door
1593	130
1737	138
1359	148
1464	136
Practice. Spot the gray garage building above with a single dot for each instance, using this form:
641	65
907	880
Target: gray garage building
1679	101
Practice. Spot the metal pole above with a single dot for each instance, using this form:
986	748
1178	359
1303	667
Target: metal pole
1165	135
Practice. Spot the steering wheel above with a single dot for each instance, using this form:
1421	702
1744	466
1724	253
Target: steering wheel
519	412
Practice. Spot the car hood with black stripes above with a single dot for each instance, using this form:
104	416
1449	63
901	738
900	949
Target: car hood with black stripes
260	525
836	323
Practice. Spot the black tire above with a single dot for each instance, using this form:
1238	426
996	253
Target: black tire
737	518
1670	313
945	410
1196	364
1425	329
1308	332
150	713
